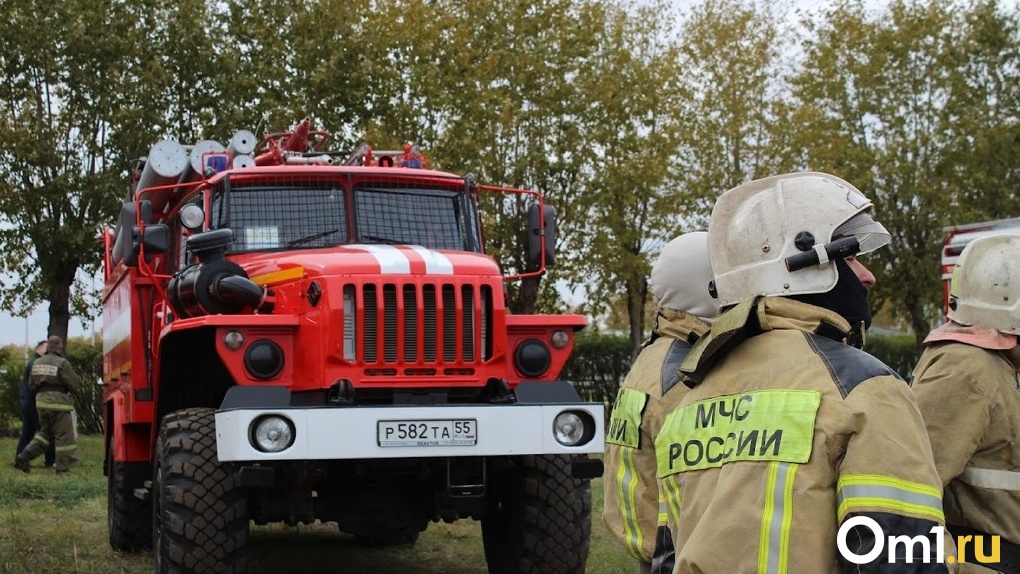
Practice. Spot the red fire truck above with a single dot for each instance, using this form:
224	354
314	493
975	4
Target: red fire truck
297	335
958	236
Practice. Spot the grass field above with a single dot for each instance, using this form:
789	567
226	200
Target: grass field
57	525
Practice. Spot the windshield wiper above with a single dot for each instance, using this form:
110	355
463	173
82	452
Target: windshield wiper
385	240
311	237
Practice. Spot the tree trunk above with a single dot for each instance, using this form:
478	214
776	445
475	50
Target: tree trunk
527	297
637	292
919	323
916	316
59	296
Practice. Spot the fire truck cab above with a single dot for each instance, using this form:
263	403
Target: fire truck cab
297	335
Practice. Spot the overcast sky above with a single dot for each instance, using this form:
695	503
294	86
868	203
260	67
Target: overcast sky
12	329
17	330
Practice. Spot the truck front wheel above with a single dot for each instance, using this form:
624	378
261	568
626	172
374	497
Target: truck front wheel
200	512
540	522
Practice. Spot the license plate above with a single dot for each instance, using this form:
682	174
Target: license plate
428	433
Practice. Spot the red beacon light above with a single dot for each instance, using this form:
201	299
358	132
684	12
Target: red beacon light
412	158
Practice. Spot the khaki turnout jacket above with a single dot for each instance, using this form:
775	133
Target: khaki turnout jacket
790	433
633	513
970	399
53	380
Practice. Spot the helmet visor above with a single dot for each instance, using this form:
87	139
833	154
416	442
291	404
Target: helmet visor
870	234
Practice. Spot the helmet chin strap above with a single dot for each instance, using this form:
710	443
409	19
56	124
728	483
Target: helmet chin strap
849	297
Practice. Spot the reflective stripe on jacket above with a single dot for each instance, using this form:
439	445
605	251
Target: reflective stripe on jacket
632	502
790	434
970	400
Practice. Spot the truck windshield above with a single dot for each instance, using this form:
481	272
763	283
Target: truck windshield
273	217
414	215
278	216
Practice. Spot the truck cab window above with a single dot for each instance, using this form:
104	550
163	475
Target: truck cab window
273	217
433	218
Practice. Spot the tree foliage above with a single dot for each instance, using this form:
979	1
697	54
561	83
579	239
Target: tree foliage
631	118
734	55
886	102
628	204
58	174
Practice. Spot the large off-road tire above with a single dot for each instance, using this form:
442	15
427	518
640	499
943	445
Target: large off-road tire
200	511
128	518
541	521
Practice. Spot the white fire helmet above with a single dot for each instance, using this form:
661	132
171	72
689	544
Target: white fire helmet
681	274
778	235
985	288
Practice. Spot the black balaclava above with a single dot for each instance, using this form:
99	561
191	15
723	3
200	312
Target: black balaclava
849	297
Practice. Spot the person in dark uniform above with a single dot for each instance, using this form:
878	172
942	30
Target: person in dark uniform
53	380
26	406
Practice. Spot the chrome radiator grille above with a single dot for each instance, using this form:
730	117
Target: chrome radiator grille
418	324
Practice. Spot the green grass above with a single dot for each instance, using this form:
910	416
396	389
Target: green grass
51	525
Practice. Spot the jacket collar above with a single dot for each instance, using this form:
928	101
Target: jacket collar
752	317
780	313
678	325
974	335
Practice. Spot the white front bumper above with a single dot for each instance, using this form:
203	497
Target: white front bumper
328	433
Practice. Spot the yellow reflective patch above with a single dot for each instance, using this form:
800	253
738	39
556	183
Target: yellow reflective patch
53	406
772	425
625	421
278	276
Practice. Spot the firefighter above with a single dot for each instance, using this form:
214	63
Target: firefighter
679	282
29	416
53	379
794	451
967	388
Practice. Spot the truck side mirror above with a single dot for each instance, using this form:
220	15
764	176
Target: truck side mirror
156	237
541	235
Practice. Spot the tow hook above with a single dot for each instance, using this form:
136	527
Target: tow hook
587	468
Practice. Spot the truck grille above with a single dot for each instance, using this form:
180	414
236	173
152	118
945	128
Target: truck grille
447	323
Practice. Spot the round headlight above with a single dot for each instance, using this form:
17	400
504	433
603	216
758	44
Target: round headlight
272	434
233	340
264	359
568	428
559	339
532	358
192	216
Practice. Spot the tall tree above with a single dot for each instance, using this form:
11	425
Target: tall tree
886	102
983	116
631	117
59	176
491	84
734	65
182	72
